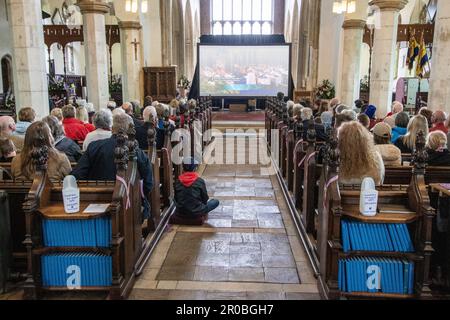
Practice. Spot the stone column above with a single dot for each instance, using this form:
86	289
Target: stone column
131	44
384	50
439	93
96	53
353	35
29	65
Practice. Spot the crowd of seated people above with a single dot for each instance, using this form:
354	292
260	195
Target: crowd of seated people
82	142
369	143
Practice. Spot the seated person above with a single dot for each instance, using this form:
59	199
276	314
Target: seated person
306	116
392	156
57	112
438	154
327	119
103	123
401	125
364	120
128	107
7	150
74	128
345	116
83	116
428	114
38	136
359	158
438	120
97	163
62	143
191	196
150	117
7	129
407	143
26	118
371	113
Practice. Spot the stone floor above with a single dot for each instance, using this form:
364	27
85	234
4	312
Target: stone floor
248	249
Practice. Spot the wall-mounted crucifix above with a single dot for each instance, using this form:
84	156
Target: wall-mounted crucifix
135	43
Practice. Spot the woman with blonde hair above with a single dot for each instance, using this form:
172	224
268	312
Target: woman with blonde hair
407	143
39	136
359	158
83	116
438	154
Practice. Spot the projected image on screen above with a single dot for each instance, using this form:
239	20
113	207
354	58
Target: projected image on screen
257	71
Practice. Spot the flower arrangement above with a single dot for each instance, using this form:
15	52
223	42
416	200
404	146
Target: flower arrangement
115	84
364	84
56	84
10	102
184	83
326	90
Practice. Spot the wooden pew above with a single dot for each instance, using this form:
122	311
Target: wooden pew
44	201
397	204
403	174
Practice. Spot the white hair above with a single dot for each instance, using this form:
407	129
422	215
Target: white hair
118	111
306	114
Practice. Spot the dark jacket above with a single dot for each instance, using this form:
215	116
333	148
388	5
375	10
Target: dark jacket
403	147
97	163
438	159
142	135
191	195
321	135
70	148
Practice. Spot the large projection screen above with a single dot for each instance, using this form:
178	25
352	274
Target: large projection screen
244	71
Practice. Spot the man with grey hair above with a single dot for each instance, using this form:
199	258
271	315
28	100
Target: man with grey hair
307	116
97	163
129	109
7	128
103	123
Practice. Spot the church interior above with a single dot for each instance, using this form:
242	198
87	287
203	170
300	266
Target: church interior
224	150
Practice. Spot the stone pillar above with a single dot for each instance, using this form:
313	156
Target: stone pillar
96	53
439	94
353	35
29	65
131	44
384	50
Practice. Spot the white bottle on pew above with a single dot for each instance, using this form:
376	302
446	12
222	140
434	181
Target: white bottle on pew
368	202
71	195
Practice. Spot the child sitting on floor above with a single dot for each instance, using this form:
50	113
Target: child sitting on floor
191	196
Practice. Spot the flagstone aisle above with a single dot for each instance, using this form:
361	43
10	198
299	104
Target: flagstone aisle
248	249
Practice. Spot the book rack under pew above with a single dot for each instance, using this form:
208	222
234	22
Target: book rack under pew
345	262
105	245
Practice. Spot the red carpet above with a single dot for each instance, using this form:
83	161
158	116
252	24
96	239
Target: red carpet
235	116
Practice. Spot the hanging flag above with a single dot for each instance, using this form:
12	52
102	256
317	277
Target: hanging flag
423	59
413	51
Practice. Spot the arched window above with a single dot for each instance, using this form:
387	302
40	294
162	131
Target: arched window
242	17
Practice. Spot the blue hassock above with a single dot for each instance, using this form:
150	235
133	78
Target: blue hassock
77	233
358	236
358	274
65	269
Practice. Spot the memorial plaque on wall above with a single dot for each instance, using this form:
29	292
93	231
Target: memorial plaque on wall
160	83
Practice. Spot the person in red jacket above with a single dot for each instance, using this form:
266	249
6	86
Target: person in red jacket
438	119
74	128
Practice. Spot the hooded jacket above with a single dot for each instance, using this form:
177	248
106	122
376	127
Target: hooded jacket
397	132
191	196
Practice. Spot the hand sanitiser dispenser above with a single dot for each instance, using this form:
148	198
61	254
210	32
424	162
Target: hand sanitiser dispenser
71	195
368	201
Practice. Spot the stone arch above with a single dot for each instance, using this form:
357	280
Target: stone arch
7	74
295	30
189	41
178	36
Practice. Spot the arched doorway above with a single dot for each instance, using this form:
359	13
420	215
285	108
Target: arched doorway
7	74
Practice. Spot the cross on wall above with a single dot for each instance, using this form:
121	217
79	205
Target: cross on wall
135	43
